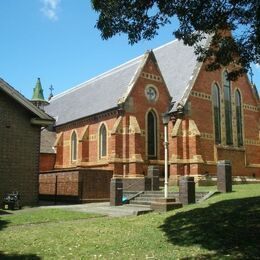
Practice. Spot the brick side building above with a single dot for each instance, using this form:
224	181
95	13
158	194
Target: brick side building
47	150
20	132
114	121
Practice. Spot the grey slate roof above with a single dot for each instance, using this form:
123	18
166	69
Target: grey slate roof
176	61
48	139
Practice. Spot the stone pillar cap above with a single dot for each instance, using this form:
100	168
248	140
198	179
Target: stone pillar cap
224	162
117	179
186	178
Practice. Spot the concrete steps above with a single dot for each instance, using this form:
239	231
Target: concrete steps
146	197
140	202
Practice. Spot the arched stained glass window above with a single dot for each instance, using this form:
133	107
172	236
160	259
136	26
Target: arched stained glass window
228	109
152	135
239	118
217	119
73	146
102	141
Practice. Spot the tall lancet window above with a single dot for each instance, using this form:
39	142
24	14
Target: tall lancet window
239	118
73	146
228	109
102	141
217	119
152	135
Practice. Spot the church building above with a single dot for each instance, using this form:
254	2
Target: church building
113	122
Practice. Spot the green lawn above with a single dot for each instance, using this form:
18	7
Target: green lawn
43	215
227	226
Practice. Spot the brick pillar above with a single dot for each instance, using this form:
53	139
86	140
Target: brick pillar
116	192
224	174
187	190
153	176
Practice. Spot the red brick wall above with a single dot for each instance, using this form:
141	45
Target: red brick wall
245	160
47	161
96	185
124	145
87	149
76	185
190	153
141	106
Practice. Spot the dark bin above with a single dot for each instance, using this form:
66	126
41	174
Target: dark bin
11	201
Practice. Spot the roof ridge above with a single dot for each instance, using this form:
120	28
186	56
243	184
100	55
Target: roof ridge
100	76
107	73
193	76
169	63
134	77
168	43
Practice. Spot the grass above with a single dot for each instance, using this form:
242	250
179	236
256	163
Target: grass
42	215
227	226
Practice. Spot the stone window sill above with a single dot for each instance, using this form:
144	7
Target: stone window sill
231	148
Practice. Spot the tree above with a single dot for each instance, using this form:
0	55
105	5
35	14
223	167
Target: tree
141	19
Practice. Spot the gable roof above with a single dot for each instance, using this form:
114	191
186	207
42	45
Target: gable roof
48	138
178	65
18	97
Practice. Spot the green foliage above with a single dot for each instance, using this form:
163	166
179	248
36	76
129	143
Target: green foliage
142	20
223	227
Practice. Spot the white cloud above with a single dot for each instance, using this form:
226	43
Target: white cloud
50	8
257	66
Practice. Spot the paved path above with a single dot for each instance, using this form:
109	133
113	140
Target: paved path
105	209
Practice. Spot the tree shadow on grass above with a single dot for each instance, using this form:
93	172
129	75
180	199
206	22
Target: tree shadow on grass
231	228
3	224
4	212
18	257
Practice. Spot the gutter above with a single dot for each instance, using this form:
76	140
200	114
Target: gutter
42	122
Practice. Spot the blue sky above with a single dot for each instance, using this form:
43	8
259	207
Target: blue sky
56	41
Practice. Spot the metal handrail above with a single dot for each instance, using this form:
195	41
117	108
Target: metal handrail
135	195
129	186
